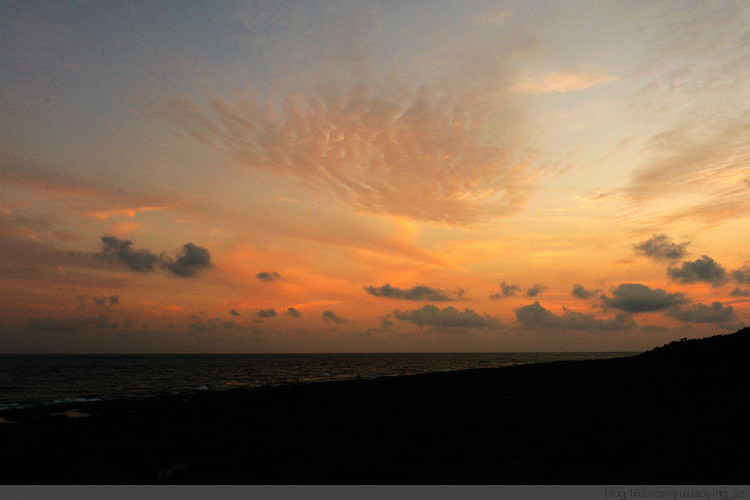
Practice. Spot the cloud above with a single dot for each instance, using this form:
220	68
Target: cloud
703	269
190	261
268	277
740	292
505	291
104	301
431	315
234	312
425	154
635	298
535	290
49	324
536	316
419	292
580	292
101	322
141	261
331	317
292	312
564	81
661	248
267	313
700	313
742	275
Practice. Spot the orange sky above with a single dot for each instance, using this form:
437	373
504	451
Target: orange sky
348	177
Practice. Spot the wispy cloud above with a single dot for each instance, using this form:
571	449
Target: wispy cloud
564	81
424	154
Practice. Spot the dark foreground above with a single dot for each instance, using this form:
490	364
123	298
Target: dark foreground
675	415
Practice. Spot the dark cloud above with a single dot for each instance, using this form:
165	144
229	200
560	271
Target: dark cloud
505	291
141	261
234	312
102	322
331	317
268	277
292	312
267	313
700	313
535	290
85	300
742	275
112	300
190	261
419	292
635	298
660	247
580	292
740	292
49	324
431	315
536	316
703	269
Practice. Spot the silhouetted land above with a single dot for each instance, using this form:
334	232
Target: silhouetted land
678	414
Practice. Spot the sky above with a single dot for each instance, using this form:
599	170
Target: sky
343	176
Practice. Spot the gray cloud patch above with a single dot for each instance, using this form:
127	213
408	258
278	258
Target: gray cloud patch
660	247
704	269
742	275
49	324
740	292
700	313
268	277
234	312
102	322
267	313
431	315
84	300
635	298
141	260
292	312
535	290
536	316
419	292
580	292
331	317
190	260
506	290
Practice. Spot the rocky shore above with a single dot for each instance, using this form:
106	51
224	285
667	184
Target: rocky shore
678	414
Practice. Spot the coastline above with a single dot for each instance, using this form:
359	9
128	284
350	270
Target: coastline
673	415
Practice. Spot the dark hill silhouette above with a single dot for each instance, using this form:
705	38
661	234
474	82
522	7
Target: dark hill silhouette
677	414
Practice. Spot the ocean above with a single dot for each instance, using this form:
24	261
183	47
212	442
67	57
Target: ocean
45	379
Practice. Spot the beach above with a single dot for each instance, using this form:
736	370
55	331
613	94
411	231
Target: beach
674	415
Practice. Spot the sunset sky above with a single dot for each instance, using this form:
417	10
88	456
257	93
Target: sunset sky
372	176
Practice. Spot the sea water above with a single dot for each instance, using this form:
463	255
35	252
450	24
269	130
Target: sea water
43	379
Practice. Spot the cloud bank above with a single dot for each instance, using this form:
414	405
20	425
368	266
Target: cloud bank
636	298
431	315
537	317
419	292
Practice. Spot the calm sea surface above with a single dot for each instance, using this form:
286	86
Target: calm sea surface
42	379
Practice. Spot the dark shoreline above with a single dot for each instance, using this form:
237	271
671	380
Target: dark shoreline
674	415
